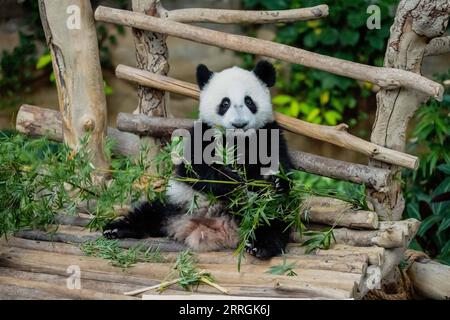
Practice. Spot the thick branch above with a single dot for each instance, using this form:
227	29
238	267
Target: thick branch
438	46
430	279
37	121
390	235
78	74
336	135
246	17
335	212
416	23
383	77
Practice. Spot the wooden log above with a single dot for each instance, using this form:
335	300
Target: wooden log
383	77
353	264
416	23
430	279
60	291
34	121
319	283
438	46
78	74
108	287
337	135
71	234
245	16
390	234
335	212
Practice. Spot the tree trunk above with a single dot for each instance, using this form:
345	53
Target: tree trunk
416	23
151	55
72	41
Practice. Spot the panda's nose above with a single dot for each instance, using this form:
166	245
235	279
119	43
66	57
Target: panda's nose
240	125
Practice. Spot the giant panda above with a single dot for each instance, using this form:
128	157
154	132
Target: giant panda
233	99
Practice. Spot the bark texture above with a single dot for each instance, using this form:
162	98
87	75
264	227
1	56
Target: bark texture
416	23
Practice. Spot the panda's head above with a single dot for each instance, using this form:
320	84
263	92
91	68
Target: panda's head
236	98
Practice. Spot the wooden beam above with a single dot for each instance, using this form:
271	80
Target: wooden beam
384	77
246	16
337	135
36	121
76	64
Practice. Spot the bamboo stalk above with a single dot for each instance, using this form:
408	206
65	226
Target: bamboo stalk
336	135
383	77
245	16
36	121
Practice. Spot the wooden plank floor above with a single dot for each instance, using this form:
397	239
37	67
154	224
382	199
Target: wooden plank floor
36	265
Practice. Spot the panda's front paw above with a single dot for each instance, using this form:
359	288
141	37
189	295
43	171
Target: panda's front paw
281	185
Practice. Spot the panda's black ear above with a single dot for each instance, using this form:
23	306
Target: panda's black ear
203	75
265	71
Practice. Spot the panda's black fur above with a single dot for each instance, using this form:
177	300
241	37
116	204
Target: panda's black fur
210	227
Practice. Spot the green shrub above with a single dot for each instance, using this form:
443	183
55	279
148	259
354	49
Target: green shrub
427	190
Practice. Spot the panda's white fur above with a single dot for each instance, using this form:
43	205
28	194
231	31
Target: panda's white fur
235	83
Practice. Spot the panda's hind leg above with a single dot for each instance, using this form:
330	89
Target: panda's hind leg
270	240
146	220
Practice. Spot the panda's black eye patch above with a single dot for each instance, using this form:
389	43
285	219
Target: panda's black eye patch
224	105
250	104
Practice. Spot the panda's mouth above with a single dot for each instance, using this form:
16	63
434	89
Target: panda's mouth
239	125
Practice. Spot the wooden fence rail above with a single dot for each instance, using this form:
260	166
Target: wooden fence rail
333	134
383	77
36	121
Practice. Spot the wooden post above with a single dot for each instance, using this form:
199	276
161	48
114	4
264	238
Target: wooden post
151	55
416	23
72	40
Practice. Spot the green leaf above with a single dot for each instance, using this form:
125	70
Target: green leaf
43	61
428	223
445	168
413	210
329	36
310	40
357	19
349	37
377	43
313	114
445	224
294	109
439	208
282	99
332	117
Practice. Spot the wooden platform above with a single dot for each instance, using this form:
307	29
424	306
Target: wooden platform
34	265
